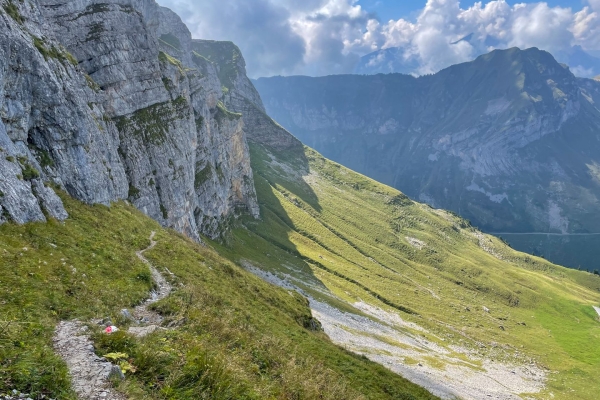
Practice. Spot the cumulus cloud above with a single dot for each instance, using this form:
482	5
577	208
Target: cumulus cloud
434	38
319	37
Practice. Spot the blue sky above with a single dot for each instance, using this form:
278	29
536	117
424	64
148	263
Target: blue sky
408	9
391	9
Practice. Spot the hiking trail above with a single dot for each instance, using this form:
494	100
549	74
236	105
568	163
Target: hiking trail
90	373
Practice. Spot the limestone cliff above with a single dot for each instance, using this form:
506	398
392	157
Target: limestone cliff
95	98
240	94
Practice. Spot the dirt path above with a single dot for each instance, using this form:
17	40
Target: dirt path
90	374
141	313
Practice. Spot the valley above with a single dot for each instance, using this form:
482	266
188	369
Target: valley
509	141
163	237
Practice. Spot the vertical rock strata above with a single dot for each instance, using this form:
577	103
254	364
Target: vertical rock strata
108	100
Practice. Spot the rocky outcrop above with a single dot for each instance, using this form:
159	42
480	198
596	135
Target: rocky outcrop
105	100
241	96
509	140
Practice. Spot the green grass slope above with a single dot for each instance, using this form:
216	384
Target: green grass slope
233	336
344	239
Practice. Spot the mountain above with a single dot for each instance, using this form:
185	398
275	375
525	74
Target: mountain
398	60
416	289
508	141
94	103
107	101
143	186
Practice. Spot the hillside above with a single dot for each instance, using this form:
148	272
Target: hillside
144	185
417	289
231	335
508	141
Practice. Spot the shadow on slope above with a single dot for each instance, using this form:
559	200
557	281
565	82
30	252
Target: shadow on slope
354	244
230	335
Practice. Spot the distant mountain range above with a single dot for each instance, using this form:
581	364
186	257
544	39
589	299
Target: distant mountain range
510	141
399	60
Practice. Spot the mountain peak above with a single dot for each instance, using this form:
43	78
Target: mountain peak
398	60
513	70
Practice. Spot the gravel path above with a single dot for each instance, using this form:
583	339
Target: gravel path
90	374
151	319
597	310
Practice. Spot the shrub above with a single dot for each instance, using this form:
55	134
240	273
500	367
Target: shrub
30	173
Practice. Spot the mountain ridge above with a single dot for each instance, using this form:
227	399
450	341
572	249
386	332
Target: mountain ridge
487	139
399	60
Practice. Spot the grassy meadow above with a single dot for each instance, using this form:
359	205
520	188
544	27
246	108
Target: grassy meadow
230	335
345	239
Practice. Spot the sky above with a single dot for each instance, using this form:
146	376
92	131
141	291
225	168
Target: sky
323	37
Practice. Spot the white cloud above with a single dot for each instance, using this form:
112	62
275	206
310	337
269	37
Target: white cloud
432	38
320	37
595	4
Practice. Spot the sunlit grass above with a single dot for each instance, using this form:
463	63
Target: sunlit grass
351	235
231	335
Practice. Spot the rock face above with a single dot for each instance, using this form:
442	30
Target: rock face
510	141
241	95
108	100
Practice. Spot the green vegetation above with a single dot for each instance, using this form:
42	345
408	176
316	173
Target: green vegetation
224	114
225	55
12	10
167	83
234	336
152	124
171	40
344	238
44	157
166	58
92	83
133	192
202	175
29	172
58	54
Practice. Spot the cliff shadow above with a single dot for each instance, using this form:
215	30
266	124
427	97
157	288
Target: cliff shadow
268	243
